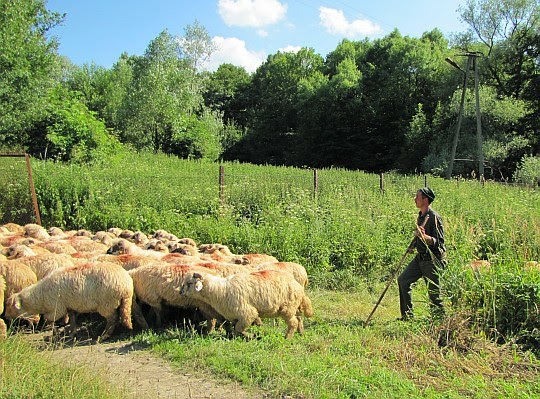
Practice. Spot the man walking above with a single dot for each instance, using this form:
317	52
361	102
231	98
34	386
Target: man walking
430	257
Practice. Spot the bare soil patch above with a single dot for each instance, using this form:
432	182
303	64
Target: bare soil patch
128	364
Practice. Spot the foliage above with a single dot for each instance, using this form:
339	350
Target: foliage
528	171
72	132
345	232
28	65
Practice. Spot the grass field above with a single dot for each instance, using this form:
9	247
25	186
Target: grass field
349	235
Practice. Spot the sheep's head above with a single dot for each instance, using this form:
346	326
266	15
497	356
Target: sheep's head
194	283
119	246
140	238
15	309
16	251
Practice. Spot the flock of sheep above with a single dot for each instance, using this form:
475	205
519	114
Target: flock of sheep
58	274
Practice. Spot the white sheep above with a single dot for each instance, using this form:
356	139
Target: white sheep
44	264
243	298
17	276
3	327
159	284
104	288
123	246
36	231
296	269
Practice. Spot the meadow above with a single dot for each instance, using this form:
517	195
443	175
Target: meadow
349	234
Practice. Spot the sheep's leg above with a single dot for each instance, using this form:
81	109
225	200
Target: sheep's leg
300	325
292	325
138	316
72	326
156	308
241	326
112	322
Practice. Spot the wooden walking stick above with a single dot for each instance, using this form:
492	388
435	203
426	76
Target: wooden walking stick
394	273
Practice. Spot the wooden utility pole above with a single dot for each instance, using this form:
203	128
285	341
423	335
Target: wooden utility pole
471	63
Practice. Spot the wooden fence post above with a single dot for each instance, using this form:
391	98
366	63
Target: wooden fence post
315	183
381	182
222	184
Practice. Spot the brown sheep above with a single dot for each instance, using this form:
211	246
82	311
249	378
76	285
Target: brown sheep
104	288
245	297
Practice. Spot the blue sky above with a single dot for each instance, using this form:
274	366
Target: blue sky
245	31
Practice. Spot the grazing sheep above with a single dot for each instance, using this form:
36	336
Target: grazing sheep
104	288
56	232
479	265
210	248
116	231
14	228
296	269
44	264
103	237
160	283
127	234
242	298
86	244
222	253
123	246
3	327
127	261
188	241
157	245
222	269
17	276
58	247
185	249
531	265
84	233
140	238
36	231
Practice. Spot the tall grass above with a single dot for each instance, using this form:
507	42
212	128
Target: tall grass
349	235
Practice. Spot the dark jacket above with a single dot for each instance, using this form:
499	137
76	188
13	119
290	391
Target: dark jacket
434	228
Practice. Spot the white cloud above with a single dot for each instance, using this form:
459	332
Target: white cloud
233	51
251	13
290	49
335	23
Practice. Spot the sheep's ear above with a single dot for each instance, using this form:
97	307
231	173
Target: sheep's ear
198	285
197	275
17	303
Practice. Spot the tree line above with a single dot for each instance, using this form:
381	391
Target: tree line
375	105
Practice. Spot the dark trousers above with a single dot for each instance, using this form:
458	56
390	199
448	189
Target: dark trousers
415	270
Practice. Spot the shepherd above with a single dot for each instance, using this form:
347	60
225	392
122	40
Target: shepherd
430	257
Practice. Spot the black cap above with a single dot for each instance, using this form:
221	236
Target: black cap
428	192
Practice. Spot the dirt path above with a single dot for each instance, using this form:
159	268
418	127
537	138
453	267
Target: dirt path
145	375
